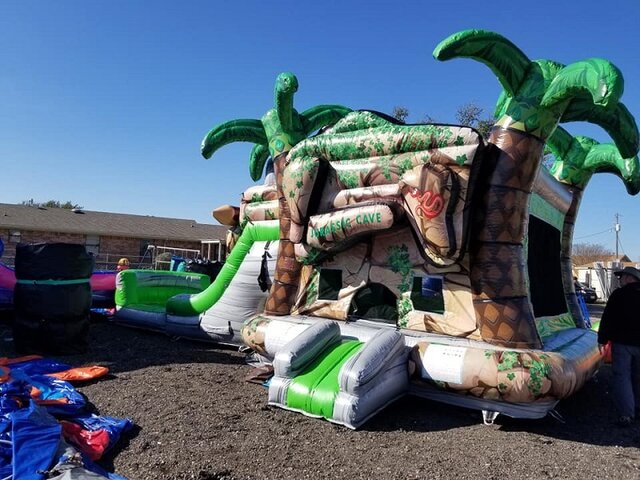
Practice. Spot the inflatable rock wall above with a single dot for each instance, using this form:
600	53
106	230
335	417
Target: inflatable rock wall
385	237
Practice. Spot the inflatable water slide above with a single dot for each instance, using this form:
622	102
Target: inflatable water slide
186	304
426	259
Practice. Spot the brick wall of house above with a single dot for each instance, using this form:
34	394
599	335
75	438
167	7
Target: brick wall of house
111	248
28	236
123	246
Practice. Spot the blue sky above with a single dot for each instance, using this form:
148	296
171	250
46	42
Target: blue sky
105	103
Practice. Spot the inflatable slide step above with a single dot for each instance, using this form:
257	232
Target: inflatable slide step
320	374
315	391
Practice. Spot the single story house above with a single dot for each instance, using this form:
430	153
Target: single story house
110	236
600	276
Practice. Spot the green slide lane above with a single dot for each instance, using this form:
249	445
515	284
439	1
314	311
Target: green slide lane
183	305
315	390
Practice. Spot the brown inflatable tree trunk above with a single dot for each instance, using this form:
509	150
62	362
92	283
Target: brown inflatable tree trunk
566	265
498	262
287	276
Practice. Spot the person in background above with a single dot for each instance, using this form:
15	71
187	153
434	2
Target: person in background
620	325
123	264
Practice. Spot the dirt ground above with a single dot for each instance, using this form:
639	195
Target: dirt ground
196	418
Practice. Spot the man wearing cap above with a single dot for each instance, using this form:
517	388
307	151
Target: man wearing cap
620	325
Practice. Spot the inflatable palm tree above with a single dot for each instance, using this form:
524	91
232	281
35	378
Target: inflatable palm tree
538	95
576	160
275	134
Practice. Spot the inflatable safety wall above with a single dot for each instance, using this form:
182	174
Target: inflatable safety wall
141	295
461	244
52	298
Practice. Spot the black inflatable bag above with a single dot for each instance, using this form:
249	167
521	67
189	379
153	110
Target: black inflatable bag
54	301
204	266
52	261
52	335
52	317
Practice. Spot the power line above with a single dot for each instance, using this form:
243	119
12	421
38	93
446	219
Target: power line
594	234
621	247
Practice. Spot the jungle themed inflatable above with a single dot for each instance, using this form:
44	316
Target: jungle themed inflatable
426	259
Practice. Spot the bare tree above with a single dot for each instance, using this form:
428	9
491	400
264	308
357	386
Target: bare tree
427	119
470	114
584	253
400	113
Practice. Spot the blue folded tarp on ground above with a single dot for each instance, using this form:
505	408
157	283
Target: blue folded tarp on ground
32	446
35	436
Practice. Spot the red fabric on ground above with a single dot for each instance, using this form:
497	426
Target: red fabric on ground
92	443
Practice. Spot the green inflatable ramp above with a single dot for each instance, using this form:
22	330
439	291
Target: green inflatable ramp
217	313
320	374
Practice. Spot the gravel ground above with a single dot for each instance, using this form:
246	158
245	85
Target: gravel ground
196	418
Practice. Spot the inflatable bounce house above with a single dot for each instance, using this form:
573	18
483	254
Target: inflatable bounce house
423	259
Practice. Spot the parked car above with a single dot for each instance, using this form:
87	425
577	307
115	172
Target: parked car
588	293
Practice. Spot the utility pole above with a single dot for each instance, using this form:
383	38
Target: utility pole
617	228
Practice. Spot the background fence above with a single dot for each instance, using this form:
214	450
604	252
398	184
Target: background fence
155	257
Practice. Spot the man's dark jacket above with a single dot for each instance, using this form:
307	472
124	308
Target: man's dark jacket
621	317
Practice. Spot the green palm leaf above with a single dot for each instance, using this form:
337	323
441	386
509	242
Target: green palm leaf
506	60
596	77
617	122
243	130
578	158
502	104
607	159
279	129
257	158
565	146
319	116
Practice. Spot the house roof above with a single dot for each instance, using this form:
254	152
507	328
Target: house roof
624	260
25	217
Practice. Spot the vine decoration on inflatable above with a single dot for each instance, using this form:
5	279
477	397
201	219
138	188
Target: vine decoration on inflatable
379	165
537	96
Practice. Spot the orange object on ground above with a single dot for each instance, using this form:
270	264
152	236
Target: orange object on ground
81	374
9	361
36	393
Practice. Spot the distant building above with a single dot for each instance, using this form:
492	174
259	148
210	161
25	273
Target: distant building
600	276
110	236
